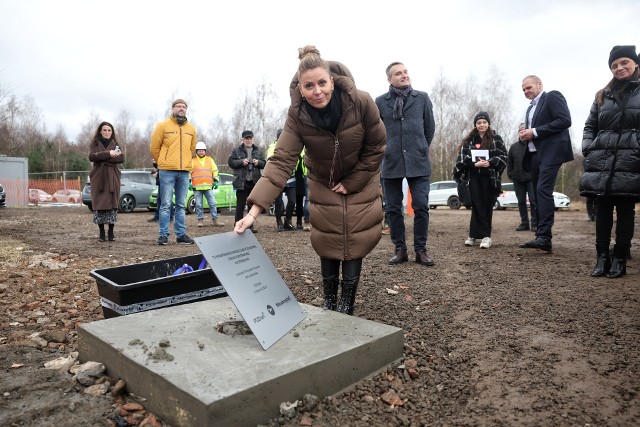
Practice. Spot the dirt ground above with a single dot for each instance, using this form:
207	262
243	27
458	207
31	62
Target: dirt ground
499	336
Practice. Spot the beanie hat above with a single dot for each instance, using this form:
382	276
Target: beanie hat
481	115
179	101
247	134
618	52
278	133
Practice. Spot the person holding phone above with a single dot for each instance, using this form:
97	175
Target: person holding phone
105	153
481	160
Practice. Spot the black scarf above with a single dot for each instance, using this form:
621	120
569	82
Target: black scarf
327	118
400	95
105	142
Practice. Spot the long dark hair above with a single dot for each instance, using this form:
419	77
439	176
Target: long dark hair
96	136
616	86
485	142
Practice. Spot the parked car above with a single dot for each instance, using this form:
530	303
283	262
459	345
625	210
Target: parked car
66	196
3	196
508	199
225	196
39	196
444	193
135	190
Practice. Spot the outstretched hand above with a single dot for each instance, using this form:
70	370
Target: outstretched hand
244	223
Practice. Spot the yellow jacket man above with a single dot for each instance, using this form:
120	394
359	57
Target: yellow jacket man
172	145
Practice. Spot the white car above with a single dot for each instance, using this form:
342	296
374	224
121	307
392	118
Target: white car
508	198
444	193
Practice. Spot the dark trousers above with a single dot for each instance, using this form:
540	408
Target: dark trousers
279	207
241	199
483	197
547	175
291	201
522	190
625	213
419	187
330	268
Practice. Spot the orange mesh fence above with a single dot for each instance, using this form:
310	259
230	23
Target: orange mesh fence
18	191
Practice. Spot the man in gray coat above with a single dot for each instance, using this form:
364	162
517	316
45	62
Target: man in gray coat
408	117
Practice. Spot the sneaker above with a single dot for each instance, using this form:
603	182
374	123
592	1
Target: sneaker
486	243
307	227
163	240
470	241
184	240
154	219
200	223
217	223
386	231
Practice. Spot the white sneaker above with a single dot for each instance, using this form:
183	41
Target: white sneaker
470	241
486	243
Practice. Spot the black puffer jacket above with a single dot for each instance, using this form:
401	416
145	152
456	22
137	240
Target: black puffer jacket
611	146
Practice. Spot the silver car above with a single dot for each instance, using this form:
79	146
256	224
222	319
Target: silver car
444	193
508	199
135	189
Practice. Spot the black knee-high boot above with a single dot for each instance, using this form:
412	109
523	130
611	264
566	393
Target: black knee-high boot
112	237
102	236
618	261
330	270
349	285
603	262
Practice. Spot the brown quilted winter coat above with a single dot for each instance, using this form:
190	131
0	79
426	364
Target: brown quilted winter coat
344	227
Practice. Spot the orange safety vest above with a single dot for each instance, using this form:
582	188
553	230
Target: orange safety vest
202	173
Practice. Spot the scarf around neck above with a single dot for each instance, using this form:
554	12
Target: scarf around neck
400	96
328	117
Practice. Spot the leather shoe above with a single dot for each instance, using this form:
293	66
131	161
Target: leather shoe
400	257
422	257
522	227
538	243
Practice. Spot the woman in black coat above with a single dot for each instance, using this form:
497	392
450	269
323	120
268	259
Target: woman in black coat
481	160
611	147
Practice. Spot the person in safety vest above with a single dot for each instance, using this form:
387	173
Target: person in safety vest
278	203
204	179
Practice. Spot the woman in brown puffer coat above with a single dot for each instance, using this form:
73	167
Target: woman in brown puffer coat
339	128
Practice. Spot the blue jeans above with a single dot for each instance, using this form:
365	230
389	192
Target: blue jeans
419	187
197	194
522	189
170	182
156	215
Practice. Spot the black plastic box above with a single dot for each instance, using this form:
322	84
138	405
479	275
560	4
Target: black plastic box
146	286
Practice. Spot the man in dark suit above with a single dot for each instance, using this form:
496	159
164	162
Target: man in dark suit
548	146
408	117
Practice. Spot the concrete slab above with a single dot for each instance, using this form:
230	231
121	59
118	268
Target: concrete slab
215	379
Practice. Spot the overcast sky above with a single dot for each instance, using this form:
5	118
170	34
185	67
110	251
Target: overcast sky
74	57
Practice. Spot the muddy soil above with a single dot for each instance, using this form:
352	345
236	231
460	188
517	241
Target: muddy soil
499	336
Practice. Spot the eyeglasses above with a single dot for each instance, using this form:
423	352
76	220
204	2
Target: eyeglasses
248	137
